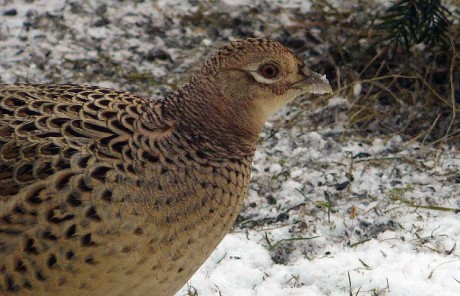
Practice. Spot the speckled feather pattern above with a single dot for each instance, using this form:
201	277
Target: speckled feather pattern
101	195
236	51
103	192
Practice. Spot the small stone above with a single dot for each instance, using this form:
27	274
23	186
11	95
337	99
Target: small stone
282	217
342	186
271	200
10	12
361	155
101	22
159	54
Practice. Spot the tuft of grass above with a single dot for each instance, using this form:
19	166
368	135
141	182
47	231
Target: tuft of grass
272	246
397	195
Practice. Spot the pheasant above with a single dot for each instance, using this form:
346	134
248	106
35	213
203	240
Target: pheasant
103	192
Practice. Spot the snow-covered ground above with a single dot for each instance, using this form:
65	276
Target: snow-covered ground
327	213
365	239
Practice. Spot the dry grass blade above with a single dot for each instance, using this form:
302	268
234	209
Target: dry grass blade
413	92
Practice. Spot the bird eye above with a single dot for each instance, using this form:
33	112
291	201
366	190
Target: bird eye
269	70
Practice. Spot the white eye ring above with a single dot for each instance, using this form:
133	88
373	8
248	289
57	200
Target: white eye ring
267	73
259	78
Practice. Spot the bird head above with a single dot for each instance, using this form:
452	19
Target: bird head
259	76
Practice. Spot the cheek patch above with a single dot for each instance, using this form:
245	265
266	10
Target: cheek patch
278	89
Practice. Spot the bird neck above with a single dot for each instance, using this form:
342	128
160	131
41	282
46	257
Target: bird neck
211	122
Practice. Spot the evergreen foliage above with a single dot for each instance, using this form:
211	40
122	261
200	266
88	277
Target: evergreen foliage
410	22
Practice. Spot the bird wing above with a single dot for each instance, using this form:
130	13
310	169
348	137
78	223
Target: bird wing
69	155
97	189
55	131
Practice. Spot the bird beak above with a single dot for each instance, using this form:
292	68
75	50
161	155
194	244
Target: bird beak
313	83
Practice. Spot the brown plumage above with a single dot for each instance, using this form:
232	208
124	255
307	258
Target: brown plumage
106	193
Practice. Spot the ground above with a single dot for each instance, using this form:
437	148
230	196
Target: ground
328	212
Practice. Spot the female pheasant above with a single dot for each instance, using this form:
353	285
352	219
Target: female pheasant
106	193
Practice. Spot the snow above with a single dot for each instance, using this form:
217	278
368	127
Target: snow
357	88
326	214
384	264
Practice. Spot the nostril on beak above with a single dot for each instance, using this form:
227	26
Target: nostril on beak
306	71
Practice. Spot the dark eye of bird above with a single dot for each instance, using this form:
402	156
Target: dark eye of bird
269	70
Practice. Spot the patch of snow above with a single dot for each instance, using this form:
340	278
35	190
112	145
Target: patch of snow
357	88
